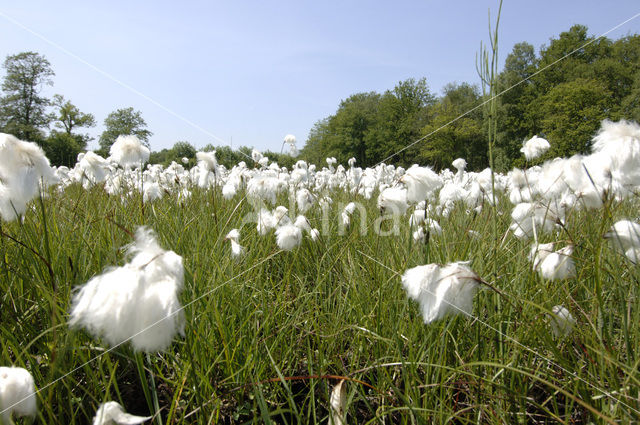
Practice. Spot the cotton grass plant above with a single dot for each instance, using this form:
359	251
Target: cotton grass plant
17	394
269	334
334	307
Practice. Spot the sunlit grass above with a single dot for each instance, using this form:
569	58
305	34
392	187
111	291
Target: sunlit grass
265	333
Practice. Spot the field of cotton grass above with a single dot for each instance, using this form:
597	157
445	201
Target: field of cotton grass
320	294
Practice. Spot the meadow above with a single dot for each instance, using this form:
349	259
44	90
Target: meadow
268	334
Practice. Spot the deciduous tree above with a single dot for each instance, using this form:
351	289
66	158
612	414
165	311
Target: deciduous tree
68	117
22	108
123	121
452	135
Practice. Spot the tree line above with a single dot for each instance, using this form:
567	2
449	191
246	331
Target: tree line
562	93
224	154
55	124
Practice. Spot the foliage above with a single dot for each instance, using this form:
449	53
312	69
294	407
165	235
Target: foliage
268	334
514	125
22	108
571	112
264	333
627	51
176	153
124	121
282	159
346	133
462	138
316	147
370	126
230	157
402	113
583	80
630	107
68	117
62	148
575	77
184	150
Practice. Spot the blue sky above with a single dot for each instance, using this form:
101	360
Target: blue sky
254	71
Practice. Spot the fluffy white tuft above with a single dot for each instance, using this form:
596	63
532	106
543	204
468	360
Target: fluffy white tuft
152	192
265	222
17	393
529	216
350	208
91	169
420	235
302	223
441	290
558	265
229	191
625	237
290	139
305	200
534	147
111	413
234	234
314	234
129	152
22	166
393	200
288	237
345	215
120	304
562	322
237	250
233	237
256	155
263	189
422	182
207	160
459	164
539	252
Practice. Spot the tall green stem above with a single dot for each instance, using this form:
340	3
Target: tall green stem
148	387
487	68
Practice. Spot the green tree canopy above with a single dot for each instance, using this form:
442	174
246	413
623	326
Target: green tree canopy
402	114
514	123
570	114
565	91
562	92
314	149
22	108
183	150
230	157
68	117
626	51
631	103
179	150
371	126
346	133
125	121
350	128
451	135
63	148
